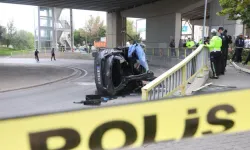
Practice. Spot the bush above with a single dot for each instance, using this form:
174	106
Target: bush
244	54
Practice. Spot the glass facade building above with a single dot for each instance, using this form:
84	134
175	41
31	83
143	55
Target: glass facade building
52	30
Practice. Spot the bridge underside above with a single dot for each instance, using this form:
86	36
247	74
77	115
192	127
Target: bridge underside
98	5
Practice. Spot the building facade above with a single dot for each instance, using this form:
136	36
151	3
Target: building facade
53	28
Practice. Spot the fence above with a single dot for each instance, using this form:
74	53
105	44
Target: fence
46	51
178	76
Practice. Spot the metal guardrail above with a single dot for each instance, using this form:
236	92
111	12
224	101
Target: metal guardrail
182	52
178	76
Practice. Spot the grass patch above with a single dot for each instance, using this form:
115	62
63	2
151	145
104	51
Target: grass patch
8	51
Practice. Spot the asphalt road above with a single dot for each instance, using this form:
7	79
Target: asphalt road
57	96
60	96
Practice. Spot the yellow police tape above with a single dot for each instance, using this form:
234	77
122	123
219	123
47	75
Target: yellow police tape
129	125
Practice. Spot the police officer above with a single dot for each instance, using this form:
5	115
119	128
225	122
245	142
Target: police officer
190	44
224	49
215	53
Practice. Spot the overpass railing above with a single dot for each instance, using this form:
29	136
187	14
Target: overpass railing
177	78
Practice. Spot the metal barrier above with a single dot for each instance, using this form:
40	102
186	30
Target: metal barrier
178	76
180	53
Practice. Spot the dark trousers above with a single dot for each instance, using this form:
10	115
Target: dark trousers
36	57
53	56
215	59
189	51
238	54
224	57
173	52
248	58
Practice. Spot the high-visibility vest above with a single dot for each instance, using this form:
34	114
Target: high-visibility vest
215	44
190	44
200	42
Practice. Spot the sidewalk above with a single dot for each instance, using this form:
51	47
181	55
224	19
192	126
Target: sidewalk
233	77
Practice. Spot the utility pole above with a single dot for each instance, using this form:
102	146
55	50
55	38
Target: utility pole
204	21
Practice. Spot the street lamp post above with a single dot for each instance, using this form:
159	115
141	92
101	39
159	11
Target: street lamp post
204	21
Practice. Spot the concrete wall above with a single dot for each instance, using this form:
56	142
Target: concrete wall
163	19
160	28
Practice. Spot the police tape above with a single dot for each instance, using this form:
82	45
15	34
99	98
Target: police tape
130	125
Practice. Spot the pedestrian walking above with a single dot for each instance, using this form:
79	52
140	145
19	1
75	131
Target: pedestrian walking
215	53
172	47
239	43
36	55
53	54
224	49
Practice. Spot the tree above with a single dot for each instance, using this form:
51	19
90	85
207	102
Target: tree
132	32
93	30
77	37
236	10
2	34
11	31
23	40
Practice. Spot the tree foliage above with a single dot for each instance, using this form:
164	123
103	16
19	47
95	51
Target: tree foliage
2	34
23	40
92	31
11	32
132	32
236	10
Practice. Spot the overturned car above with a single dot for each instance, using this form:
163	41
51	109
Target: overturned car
121	70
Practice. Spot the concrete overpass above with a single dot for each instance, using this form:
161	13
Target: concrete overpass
163	16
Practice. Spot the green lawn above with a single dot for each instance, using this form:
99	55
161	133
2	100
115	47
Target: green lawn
8	51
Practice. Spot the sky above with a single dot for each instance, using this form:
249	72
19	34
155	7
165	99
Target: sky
23	16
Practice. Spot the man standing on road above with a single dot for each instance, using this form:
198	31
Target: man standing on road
224	49
36	55
53	54
239	43
215	53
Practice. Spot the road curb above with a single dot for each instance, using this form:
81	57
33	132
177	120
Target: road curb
240	68
46	83
198	82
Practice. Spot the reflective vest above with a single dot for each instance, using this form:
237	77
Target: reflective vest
215	44
200	42
190	44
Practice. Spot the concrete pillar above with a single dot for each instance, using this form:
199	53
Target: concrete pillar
39	31
178	29
193	31
234	27
71	30
54	45
159	29
115	23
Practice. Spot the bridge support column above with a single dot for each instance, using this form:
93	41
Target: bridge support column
159	29
115	24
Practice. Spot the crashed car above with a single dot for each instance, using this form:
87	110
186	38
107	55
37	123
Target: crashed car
119	70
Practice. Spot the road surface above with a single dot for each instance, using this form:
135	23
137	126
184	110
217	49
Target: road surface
57	96
60	96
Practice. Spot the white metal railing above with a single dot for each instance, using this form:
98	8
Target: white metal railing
177	78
